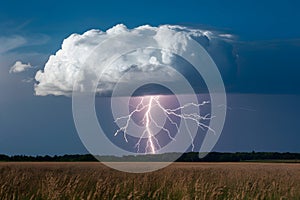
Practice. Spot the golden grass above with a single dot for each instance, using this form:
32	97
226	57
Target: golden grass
178	181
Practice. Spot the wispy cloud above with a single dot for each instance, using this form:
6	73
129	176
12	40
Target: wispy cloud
11	42
28	80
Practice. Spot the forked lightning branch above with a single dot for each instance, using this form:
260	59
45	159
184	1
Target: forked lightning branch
146	106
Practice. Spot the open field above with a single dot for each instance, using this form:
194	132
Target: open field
178	181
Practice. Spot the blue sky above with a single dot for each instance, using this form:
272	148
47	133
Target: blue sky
250	20
263	85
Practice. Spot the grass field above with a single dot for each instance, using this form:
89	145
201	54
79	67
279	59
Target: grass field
178	181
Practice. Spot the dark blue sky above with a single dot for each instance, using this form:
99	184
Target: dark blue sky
249	19
263	85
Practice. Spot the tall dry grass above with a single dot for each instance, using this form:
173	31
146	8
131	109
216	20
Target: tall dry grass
178	181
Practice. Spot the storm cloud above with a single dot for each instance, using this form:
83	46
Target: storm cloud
59	73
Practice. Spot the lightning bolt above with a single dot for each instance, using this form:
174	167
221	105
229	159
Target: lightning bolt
147	118
146	107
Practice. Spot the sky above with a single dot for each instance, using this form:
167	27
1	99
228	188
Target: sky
259	64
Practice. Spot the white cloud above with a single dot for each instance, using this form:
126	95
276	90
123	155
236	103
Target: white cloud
19	67
60	71
28	80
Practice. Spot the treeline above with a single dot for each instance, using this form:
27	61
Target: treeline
239	156
64	158
167	157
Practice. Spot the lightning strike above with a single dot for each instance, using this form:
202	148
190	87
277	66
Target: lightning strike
147	116
146	107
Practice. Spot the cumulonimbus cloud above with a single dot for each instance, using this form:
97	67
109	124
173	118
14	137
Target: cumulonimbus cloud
59	73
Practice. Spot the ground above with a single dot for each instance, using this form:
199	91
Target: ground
92	180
